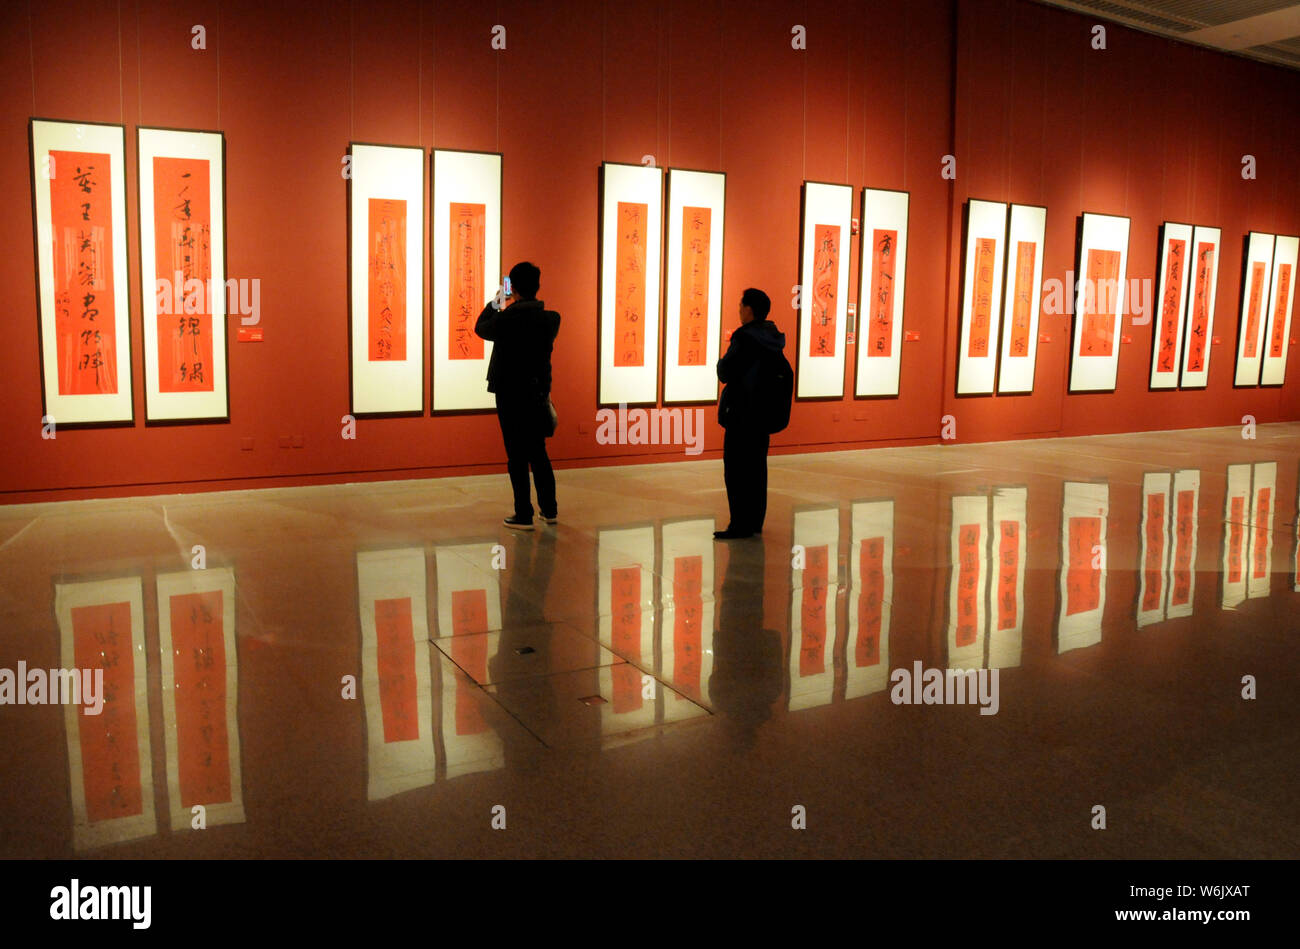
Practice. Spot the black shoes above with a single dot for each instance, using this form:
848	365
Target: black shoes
551	518
730	534
515	522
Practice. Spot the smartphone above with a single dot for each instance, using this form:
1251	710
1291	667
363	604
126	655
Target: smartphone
505	285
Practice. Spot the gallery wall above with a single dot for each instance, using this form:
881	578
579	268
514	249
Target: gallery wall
1146	128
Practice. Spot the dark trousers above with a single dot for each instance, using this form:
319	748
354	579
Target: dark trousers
744	470
521	429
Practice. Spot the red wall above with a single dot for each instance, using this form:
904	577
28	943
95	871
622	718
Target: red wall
883	91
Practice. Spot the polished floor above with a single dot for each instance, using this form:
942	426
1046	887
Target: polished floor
384	670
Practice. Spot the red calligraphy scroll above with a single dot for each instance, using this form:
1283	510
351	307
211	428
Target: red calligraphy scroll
1185	516
884	257
871	601
1153	574
625	636
688	609
826	282
469	620
1263	533
387	269
1101	303
813	606
1082	579
693	318
1235	528
85	320
466	277
183	253
1279	310
1197	336
1008	572
199	662
630	285
110	754
1255	308
981	313
1023	303
1167	335
395	658
968	577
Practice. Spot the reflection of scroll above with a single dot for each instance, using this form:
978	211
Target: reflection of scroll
466	277
1198	334
1260	577
686	570
1006	628
812	609
395	680
625	603
200	676
1155	548
1085	509
871	576
1171	308
968	582
387	276
101	626
1026	251
693	318
629	285
1182	569
826	281
1255	308
1101	303
469	608
880	308
1236	502
81	221
982	298
183	249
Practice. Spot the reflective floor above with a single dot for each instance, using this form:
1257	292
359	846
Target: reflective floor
384	670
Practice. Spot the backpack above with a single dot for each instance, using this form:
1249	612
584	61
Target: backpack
776	392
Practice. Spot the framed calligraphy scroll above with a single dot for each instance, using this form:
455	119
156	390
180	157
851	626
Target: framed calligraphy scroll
686	601
631	221
1099	305
467	271
1236	533
395	678
968	582
1153	562
1172	292
200	676
871	580
814	611
183	274
1200	317
824	289
1259	555
693	304
1186	503
1022	298
881	292
79	217
1255	285
1085	510
1277	336
981	309
101	628
1007	593
386	280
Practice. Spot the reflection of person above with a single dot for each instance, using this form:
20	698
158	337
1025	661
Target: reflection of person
748	675
519	373
741	412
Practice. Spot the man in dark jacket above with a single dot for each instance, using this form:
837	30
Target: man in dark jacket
519	373
754	346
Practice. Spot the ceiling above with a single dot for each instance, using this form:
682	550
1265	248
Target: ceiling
1260	29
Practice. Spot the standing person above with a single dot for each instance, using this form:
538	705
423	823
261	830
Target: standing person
757	379
519	374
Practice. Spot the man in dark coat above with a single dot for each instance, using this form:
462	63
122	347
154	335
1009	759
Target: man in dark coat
743	368
519	374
